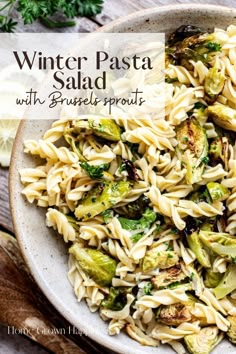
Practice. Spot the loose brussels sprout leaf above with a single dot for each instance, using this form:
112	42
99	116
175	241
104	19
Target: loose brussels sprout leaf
219	151
95	172
223	116
73	222
204	341
167	277
128	166
192	148
71	141
232	329
221	243
227	283
217	191
98	265
214	83
144	222
154	259
115	300
212	279
105	128
174	315
197	248
102	198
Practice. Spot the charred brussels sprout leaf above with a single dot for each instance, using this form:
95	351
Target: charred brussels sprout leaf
204	341
214	83
115	300
197	248
136	209
99	266
221	243
232	329
212	279
192	148
183	32
128	166
154	259
217	191
95	172
227	283
105	128
223	116
102	198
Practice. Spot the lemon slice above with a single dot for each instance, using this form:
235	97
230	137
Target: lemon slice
8	129
27	78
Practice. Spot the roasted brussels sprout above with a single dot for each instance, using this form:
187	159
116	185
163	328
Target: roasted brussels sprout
217	191
232	329
204	341
105	128
115	300
221	243
219	151
192	148
227	283
98	265
212	279
166	278
214	83
174	315
223	116
101	198
196	246
154	259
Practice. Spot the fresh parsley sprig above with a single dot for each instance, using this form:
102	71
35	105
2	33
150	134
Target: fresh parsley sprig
31	10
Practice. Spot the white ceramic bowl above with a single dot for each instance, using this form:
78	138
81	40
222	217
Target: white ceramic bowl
45	254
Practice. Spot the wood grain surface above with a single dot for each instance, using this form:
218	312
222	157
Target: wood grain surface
17	288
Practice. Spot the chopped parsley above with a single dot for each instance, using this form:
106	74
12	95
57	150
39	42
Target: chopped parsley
147	288
213	47
95	172
205	160
107	215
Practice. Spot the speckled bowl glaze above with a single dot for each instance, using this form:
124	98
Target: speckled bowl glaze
46	254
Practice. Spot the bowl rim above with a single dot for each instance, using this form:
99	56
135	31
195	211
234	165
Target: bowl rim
104	340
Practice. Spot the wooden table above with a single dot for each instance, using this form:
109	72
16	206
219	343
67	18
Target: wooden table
112	10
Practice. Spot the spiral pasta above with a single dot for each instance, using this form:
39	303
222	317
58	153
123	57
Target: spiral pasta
146	198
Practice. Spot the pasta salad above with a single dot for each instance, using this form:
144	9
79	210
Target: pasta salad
148	205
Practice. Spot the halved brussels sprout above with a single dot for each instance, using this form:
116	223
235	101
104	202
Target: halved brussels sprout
98	265
221	243
214	83
197	248
227	283
106	128
192	148
217	191
223	116
204	341
219	151
212	279
175	314
232	329
168	277
182	32
155	259
101	198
